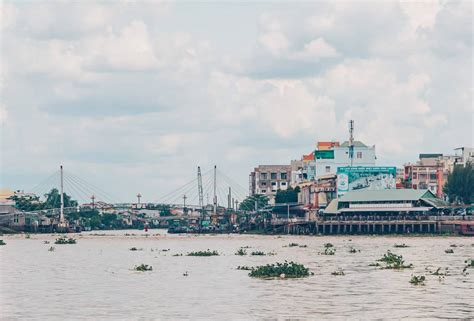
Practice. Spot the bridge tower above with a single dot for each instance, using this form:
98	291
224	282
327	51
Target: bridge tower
62	222
200	192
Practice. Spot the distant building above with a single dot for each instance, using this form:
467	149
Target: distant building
431	172
465	155
319	193
296	173
268	179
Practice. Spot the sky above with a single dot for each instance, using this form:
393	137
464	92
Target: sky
132	96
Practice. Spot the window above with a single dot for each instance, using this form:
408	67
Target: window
264	183
273	176
433	177
274	183
415	175
283	183
263	175
328	169
359	154
264	191
283	175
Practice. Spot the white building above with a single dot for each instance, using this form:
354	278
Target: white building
327	161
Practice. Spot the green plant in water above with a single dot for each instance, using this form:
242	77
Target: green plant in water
51	249
449	251
64	240
353	250
293	244
46	242
401	245
394	261
2	242
241	252
244	267
177	254
469	264
418	280
338	272
203	253
280	270
259	253
328	245
135	249
143	268
328	251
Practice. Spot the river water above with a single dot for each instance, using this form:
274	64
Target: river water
94	279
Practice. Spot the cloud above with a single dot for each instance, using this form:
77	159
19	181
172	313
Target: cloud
130	90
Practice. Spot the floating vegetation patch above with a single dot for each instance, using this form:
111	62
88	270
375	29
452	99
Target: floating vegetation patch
203	253
418	280
293	245
178	254
304	245
165	250
51	249
241	252
449	251
394	261
143	268
338	272
258	253
328	245
280	270
46	242
135	249
453	245
244	267
328	251
400	245
64	240
2	242
469	264
353	250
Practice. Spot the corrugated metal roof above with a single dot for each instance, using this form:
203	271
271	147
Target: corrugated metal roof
332	207
386	195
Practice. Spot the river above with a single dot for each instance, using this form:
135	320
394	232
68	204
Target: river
94	279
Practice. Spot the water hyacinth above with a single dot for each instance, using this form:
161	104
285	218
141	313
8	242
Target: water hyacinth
143	268
2	242
280	270
400	245
64	240
135	249
394	261
338	272
353	250
418	280
203	253
449	251
241	252
244	268
258	253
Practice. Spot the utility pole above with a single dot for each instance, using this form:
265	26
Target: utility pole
288	218
215	186
61	214
351	141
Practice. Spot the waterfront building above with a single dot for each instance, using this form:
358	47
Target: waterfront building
297	176
318	193
392	202
431	171
268	179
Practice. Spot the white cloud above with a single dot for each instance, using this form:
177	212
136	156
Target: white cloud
316	49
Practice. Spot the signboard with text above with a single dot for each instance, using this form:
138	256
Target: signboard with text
365	178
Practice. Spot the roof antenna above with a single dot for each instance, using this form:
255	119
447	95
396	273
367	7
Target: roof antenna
351	141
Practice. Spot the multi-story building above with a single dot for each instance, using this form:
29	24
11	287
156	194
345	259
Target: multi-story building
465	155
268	179
296	172
329	159
430	172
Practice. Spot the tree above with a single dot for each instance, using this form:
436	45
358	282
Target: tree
460	185
248	204
53	200
289	195
27	204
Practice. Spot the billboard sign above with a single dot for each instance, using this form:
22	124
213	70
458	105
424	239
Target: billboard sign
365	178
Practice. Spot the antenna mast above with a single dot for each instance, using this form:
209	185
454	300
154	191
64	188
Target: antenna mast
351	141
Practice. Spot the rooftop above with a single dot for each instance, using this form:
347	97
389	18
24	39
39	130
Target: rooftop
386	195
357	143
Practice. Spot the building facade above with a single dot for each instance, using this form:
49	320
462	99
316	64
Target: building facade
268	179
